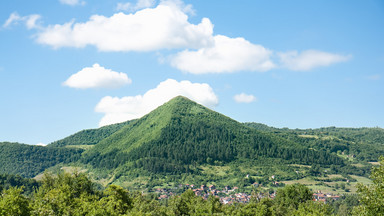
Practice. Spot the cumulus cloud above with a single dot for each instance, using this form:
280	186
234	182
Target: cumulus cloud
41	144
166	26
226	55
244	98
131	107
309	59
163	27
30	21
140	4
97	77
72	2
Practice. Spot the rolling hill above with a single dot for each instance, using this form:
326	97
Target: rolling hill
182	141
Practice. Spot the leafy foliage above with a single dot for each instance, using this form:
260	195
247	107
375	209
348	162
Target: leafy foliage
13	203
290	197
75	194
372	196
7	181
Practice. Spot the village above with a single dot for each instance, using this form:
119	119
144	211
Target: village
229	195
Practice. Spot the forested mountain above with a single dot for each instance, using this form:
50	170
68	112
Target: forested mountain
182	141
182	133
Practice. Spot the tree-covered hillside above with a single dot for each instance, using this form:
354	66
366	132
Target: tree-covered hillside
8	180
30	160
363	144
182	134
182	141
89	136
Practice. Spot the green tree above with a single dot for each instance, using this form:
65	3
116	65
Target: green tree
63	195
372	196
255	207
117	200
290	197
311	208
12	202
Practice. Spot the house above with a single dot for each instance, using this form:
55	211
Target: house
203	187
197	192
163	197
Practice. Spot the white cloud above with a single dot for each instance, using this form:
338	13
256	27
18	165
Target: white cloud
72	2
140	4
163	27
13	18
225	56
186	8
132	107
244	98
97	77
309	59
41	144
167	27
30	21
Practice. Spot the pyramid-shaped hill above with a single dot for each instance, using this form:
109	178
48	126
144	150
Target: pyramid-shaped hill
181	133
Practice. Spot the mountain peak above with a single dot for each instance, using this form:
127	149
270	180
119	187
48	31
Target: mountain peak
178	110
181	100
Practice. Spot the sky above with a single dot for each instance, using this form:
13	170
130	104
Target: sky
69	65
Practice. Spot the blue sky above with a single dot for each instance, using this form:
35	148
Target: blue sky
68	65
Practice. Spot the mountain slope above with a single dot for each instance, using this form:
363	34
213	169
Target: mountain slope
182	133
88	137
183	140
30	160
365	144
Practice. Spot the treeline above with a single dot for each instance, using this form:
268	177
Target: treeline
89	136
366	144
75	194
7	181
30	160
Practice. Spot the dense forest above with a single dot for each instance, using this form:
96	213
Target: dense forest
365	144
190	135
89	136
182	141
30	160
75	194
8	180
